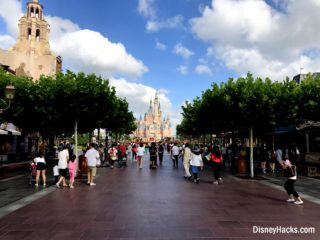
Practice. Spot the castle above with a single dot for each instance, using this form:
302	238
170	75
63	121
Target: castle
31	55
152	127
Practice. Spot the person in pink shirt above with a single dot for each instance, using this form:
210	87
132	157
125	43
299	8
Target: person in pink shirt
72	165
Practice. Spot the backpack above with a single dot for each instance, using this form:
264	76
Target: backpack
161	149
152	151
120	151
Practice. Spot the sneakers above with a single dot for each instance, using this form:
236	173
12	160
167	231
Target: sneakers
298	202
57	185
92	184
36	185
215	182
291	200
220	180
196	180
71	186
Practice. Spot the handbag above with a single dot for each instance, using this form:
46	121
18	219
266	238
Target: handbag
290	171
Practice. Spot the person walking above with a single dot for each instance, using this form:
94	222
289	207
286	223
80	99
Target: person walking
129	152
153	155
41	168
112	155
196	163
140	153
72	165
56	172
134	152
217	158
92	156
289	184
121	154
175	151
63	165
186	161
160	152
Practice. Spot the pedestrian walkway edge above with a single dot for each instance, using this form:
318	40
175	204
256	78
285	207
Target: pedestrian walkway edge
280	188
24	201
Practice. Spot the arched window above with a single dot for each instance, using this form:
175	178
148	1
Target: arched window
29	33
32	11
37	13
38	35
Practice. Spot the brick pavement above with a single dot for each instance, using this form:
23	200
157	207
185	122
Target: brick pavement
159	204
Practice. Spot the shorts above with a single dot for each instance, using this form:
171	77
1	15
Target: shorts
41	166
92	171
63	172
195	169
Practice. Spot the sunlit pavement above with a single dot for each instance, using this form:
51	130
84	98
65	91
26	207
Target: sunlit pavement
134	203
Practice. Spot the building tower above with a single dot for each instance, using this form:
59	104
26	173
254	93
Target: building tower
31	55
151	127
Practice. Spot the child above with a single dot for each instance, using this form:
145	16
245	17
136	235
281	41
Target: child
72	165
56	172
33	172
196	162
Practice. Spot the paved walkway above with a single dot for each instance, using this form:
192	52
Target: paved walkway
159	204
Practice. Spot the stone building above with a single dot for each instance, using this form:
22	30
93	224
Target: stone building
31	55
152	127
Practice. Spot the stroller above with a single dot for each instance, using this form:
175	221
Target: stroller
33	173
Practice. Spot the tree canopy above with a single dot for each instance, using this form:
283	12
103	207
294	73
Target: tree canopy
53	104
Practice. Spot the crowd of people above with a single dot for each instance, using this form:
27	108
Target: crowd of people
193	159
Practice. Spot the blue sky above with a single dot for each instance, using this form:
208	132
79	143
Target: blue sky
176	47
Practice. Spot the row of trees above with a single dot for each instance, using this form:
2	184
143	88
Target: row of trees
53	105
246	103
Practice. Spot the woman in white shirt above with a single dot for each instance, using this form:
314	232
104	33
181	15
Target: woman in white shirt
140	152
289	184
41	168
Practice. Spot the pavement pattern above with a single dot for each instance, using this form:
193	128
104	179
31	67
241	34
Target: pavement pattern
134	203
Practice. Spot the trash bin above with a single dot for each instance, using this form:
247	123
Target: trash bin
242	166
83	167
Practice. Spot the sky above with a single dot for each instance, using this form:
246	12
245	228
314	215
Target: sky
176	48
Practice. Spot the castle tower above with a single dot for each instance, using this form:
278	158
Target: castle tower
31	55
154	128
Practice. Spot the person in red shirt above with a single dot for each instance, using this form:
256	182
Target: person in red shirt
217	158
121	155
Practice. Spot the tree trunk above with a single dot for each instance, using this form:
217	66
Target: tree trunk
76	141
98	137
251	153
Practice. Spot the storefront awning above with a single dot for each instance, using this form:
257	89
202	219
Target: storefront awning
3	132
14	132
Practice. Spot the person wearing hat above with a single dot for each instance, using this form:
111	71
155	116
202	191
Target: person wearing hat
196	163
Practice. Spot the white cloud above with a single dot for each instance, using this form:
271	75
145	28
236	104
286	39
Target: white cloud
169	23
89	51
11	12
160	45
6	41
182	51
253	36
146	9
203	69
182	69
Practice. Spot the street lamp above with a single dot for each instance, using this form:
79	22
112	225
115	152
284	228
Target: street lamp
9	95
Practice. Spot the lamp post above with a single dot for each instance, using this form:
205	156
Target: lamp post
9	95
